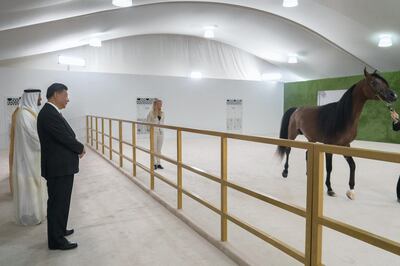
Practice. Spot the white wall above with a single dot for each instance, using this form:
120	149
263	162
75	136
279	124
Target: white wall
191	103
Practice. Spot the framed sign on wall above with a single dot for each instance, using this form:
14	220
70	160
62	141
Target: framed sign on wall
11	103
143	106
234	115
325	97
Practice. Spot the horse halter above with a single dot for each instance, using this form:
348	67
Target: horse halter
377	92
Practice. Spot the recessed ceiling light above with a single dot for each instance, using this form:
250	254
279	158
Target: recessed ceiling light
209	34
292	59
209	31
95	42
71	61
290	3
196	75
122	3
385	41
271	76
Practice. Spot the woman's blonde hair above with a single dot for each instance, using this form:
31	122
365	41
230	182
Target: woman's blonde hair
155	110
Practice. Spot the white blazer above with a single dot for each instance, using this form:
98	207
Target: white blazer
152	118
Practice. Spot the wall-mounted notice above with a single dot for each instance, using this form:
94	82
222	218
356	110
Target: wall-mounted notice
234	115
143	106
325	97
11	104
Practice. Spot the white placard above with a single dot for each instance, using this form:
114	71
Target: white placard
12	103
143	106
325	97
234	115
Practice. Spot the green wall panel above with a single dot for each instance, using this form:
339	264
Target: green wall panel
375	123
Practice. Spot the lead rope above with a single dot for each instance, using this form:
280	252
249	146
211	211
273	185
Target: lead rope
388	105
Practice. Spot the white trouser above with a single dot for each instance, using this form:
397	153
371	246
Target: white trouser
158	142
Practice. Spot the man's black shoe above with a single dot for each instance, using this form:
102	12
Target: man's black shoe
160	167
155	167
66	246
69	232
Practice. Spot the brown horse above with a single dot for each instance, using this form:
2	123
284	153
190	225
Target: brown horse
335	123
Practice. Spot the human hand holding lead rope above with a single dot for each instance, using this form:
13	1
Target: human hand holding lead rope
395	116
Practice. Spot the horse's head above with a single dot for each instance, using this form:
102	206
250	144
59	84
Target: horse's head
378	88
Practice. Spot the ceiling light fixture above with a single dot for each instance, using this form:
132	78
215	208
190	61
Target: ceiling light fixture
209	31
95	42
290	3
196	75
271	76
292	59
71	61
385	41
209	34
122	3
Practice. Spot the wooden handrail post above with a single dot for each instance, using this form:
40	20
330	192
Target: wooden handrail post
87	129
102	135
309	209
121	151
134	149
91	131
110	138
224	188
152	157
179	167
97	133
317	206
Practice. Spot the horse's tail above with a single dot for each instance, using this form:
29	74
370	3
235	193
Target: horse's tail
285	129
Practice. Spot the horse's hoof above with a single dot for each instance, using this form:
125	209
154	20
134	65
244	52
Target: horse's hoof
351	194
331	193
285	173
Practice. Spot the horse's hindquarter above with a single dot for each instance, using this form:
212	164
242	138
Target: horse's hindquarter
304	120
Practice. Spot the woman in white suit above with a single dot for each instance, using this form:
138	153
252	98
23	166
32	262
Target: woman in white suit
156	116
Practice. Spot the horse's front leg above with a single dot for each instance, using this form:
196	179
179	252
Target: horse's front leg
350	193
328	159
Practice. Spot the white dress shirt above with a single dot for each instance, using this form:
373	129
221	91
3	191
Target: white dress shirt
58	110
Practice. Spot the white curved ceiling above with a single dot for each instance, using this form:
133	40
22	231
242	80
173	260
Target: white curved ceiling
157	55
332	37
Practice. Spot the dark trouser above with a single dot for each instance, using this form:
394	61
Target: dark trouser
59	190
398	189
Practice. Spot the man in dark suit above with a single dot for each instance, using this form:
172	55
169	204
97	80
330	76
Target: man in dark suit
396	127
60	153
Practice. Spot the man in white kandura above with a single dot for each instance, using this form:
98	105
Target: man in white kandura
156	116
29	193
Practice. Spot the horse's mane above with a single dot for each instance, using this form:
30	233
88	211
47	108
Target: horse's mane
375	75
335	117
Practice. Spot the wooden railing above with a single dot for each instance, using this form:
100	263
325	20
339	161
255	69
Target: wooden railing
313	214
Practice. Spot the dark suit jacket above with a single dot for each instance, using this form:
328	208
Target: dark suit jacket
59	148
396	126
